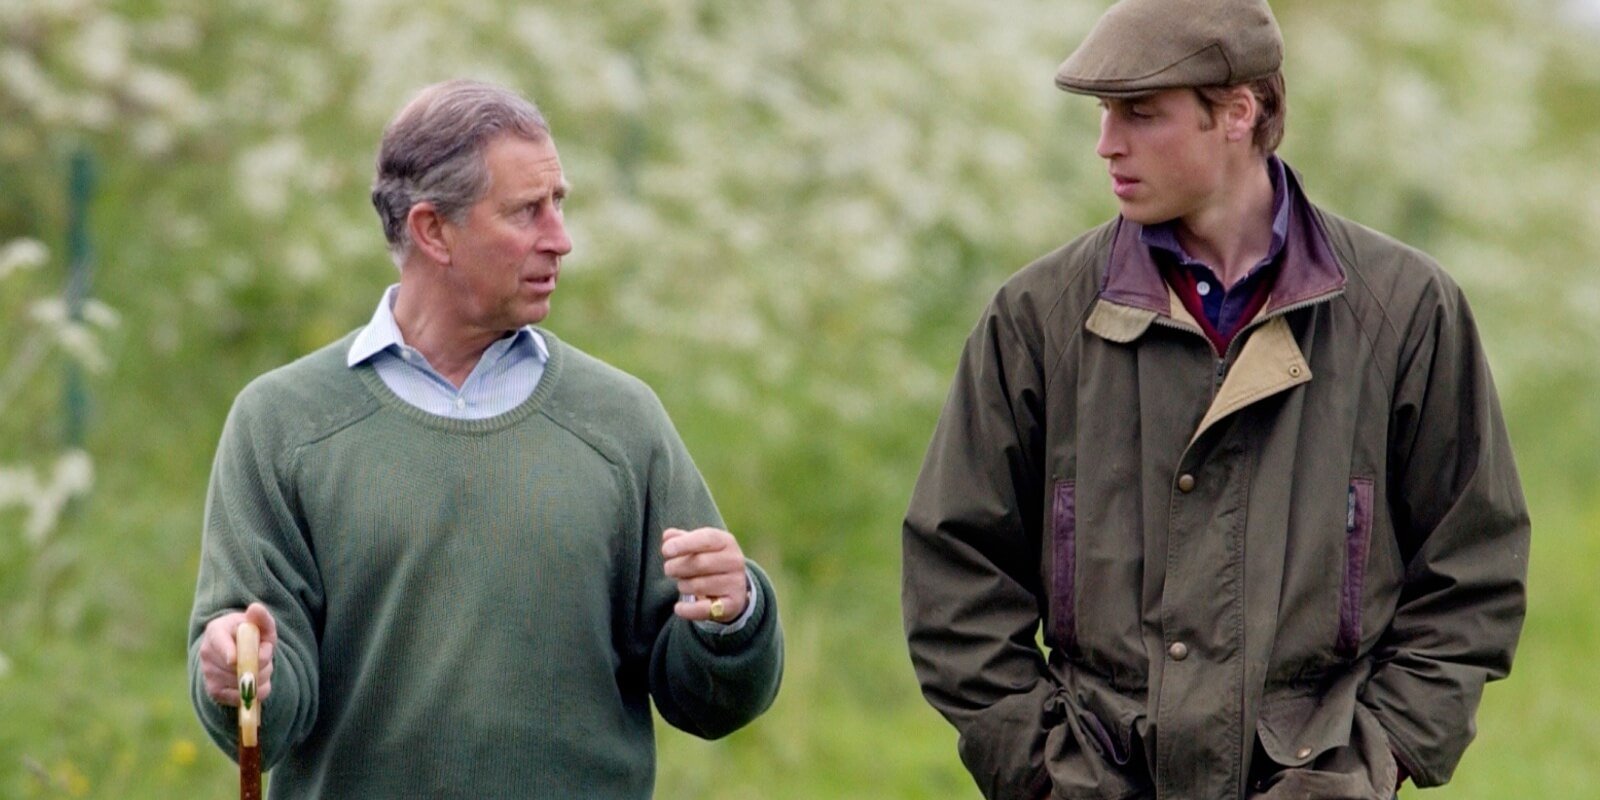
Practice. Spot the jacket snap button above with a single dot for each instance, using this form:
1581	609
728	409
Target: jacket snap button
1186	483
1294	371
1179	651
1304	752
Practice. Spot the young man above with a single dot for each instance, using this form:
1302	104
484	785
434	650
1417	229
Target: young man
1241	458
476	554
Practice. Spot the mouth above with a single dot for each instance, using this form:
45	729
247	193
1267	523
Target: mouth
1123	186
544	283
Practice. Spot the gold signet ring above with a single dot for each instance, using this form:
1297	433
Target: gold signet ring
716	609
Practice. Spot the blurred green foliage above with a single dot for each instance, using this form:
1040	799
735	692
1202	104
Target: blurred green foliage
788	214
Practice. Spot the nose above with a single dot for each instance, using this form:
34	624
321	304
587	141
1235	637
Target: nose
553	236
1111	142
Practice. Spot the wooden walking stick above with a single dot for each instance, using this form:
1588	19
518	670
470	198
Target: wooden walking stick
248	641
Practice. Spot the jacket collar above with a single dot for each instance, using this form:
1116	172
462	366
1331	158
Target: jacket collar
1135	292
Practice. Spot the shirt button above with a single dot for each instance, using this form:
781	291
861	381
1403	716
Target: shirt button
1179	651
1304	752
461	402
1294	371
1186	483
1204	288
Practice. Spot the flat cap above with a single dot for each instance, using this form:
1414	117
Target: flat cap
1142	46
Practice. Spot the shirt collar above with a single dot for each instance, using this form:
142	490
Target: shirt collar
1310	270
1164	235
381	333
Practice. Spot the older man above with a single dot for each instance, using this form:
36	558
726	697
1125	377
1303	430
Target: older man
475	553
1240	457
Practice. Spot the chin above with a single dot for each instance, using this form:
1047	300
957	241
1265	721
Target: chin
1144	215
537	314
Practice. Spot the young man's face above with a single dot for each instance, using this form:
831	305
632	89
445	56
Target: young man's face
1165	154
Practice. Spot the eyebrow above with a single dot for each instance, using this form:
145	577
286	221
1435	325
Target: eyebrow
560	191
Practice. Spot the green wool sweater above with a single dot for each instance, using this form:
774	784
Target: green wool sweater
467	608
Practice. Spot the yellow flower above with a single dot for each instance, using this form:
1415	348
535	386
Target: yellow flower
69	777
182	753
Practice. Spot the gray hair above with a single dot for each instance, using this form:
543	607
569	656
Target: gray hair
432	151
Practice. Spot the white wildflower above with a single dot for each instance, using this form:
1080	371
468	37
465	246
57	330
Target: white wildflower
22	254
206	293
74	473
23	78
538	29
49	312
357	239
158	89
72	336
101	48
725	391
176	32
267	173
71	476
17	485
303	263
101	315
185	230
152	137
619	82
1585	11
79	343
94	111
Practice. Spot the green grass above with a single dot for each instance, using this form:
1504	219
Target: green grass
95	704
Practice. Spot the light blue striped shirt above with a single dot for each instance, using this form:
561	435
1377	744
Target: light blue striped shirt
506	375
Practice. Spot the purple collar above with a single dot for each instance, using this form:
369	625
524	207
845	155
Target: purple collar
1310	268
1164	235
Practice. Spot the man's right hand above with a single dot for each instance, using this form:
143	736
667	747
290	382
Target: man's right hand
218	654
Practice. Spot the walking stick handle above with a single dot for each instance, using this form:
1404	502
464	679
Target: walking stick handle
248	641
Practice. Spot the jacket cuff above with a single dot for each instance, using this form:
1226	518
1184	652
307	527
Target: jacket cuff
1426	753
1003	745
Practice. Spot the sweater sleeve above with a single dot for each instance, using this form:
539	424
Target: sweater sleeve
707	683
254	549
971	590
1463	528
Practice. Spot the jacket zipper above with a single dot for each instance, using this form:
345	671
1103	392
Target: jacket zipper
1224	359
1221	370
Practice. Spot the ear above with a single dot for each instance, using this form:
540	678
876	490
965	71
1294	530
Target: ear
429	232
1239	114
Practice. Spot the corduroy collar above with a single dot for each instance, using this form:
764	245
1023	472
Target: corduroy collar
1310	269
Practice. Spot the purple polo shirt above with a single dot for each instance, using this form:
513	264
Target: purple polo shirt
1226	309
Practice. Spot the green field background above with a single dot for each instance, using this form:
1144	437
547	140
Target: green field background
787	216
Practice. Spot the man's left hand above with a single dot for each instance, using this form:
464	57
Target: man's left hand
708	564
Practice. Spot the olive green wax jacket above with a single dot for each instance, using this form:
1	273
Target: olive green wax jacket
1264	573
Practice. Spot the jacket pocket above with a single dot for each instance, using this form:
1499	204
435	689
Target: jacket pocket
1358	542
1321	747
1063	584
1096	755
